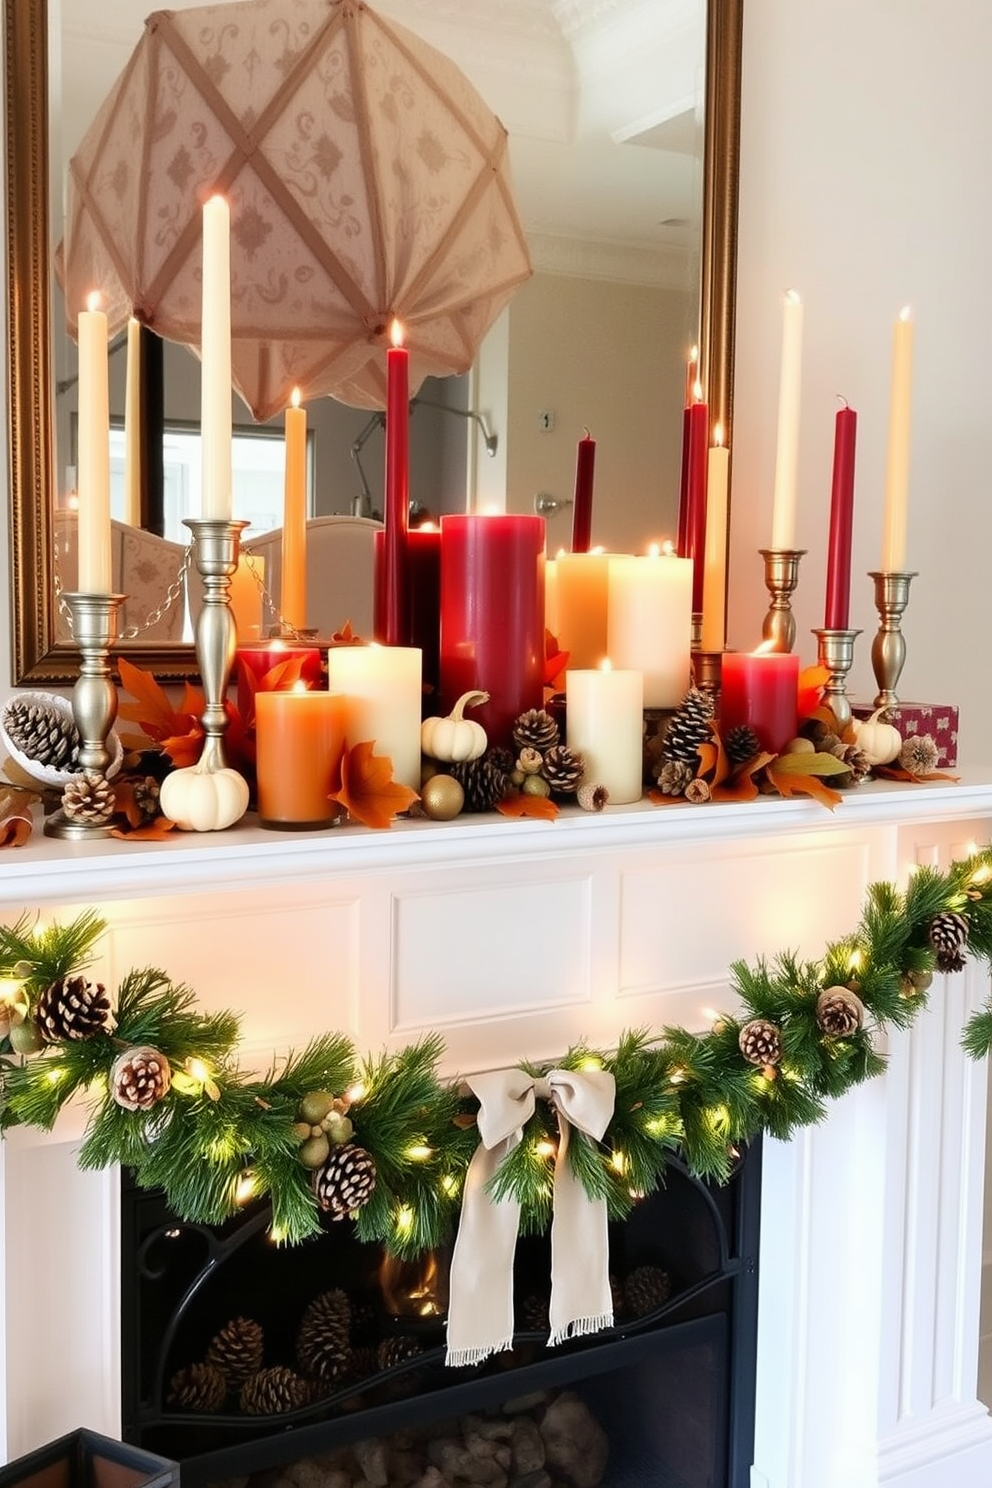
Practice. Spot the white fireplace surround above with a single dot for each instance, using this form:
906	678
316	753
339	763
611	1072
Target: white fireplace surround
515	939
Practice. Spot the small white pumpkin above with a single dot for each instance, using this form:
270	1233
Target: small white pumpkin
203	800
880	743
455	738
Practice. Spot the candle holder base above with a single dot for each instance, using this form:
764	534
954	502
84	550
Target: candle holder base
781	578
888	649
835	651
707	668
94	702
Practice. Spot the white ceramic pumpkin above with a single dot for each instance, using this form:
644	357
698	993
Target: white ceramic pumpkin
880	743
202	800
455	738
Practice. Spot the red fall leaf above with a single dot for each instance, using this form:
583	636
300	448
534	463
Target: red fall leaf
15	830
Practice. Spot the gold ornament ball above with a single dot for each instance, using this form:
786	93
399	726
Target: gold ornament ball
442	798
25	1038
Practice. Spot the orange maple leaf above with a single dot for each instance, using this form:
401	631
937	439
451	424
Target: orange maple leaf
368	791
742	786
812	680
896	772
520	803
153	831
15	830
555	661
803	785
152	709
346	636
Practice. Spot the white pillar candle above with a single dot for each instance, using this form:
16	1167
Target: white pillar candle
715	562
381	688
787	448
132	426
93	455
650	622
293	600
604	710
581	598
215	355
897	463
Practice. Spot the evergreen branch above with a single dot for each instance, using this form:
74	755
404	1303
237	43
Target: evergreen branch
43	954
976	1039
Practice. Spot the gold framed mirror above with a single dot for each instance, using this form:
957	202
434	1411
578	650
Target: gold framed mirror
35	655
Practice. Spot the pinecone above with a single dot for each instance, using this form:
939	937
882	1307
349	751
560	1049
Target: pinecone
919	755
535	729
43	735
364	1362
73	1008
839	1012
645	1290
534	1317
198	1387
397	1350
948	934
855	759
323	1347
485	780
237	1351
139	1078
88	797
742	744
273	1392
760	1042
616	1295
562	769
145	794
345	1182
688	727
674	776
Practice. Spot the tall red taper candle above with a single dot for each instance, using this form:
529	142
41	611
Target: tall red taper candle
392	601
837	608
697	439
585	463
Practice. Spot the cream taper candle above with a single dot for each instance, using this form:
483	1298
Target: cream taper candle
604	712
132	426
93	455
215	356
897	462
787	446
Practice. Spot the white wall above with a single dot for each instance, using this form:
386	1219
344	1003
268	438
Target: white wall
867	135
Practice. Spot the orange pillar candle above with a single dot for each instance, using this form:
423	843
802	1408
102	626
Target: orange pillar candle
299	738
582	587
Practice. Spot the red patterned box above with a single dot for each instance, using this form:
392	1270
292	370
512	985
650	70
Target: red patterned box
939	720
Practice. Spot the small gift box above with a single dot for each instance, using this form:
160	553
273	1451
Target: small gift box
939	720
84	1459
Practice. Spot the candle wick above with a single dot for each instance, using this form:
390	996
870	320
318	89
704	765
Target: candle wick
842	399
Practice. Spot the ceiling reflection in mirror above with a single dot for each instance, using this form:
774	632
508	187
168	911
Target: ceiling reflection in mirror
603	107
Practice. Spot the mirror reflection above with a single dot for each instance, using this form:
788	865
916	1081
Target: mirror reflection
603	108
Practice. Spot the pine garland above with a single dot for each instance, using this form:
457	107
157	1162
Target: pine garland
219	1135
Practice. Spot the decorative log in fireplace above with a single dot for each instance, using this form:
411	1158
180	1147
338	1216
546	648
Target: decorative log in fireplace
670	1387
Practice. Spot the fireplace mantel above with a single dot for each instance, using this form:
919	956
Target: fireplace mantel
515	939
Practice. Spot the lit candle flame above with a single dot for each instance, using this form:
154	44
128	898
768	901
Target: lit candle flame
668	548
697	391
93	300
295	397
396	332
654	551
718	434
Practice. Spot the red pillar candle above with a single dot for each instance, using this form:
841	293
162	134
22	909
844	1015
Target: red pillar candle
761	689
423	546
585	464
392	573
492	616
692	502
837	609
253	660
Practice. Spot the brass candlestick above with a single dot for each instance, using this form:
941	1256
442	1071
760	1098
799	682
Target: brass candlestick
707	667
888	649
696	632
94	699
781	578
835	651
216	542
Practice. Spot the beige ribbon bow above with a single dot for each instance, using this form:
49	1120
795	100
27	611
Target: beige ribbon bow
480	1307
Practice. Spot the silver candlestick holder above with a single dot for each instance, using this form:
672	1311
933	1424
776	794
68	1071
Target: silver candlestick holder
94	700
888	649
216	544
781	578
835	651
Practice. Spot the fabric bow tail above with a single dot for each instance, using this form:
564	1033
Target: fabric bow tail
480	1308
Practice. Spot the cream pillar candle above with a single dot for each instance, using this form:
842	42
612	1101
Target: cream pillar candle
215	356
715	562
604	710
381	688
897	462
293	602
787	447
551	595
132	426
650	622
93	456
581	597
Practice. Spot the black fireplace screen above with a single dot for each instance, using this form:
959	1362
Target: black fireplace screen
240	1357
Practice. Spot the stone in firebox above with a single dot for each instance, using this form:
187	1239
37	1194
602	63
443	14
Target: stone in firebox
575	1443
